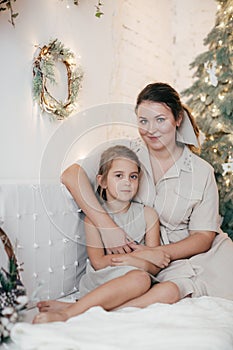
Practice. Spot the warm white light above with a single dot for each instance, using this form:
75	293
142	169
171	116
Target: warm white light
215	150
221	97
203	98
220	42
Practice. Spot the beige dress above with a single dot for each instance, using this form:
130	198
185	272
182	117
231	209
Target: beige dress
186	198
133	221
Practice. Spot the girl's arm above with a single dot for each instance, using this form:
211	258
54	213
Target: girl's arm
152	236
152	239
99	260
131	260
77	182
95	247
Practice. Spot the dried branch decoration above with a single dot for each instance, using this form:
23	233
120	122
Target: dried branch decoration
43	71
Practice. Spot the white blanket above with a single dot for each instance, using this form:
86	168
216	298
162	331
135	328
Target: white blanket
203	323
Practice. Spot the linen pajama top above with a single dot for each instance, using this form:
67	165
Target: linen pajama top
185	198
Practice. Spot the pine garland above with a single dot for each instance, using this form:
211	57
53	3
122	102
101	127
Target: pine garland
7	5
43	71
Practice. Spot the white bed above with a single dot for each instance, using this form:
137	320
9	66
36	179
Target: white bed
192	324
44	225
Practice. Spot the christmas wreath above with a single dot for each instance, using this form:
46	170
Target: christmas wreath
44	71
13	297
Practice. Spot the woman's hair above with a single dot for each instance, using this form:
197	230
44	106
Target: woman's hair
108	157
164	93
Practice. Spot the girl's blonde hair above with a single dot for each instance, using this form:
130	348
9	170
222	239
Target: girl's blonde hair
108	157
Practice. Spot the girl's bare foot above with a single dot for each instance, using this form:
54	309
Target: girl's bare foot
52	305
45	317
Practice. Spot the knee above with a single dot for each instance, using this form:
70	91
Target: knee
139	278
174	294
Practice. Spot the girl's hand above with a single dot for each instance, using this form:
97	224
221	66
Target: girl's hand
156	255
128	260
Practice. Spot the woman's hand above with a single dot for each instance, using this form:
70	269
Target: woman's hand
156	255
115	241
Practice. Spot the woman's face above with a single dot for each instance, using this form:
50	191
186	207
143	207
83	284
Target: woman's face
157	125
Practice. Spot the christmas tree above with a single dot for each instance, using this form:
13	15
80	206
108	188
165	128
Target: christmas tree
211	100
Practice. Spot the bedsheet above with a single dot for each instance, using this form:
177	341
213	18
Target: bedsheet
203	323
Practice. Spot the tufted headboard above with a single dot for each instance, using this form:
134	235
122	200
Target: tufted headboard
44	226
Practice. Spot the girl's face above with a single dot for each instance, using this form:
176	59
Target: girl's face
122	180
157	125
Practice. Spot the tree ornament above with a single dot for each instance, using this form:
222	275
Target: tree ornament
211	70
43	72
228	167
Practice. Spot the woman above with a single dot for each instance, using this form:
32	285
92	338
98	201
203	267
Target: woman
182	189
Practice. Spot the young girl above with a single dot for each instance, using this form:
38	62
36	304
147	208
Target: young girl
118	180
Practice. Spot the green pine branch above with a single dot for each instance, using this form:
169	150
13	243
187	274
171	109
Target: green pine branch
211	99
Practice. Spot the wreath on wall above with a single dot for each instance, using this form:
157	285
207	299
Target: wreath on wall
44	72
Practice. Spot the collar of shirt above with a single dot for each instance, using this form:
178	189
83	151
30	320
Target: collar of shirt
183	163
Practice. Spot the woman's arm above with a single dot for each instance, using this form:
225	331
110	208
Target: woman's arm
99	260
196	243
77	182
204	214
152	239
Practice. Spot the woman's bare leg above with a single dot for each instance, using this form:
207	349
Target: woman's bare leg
109	295
164	292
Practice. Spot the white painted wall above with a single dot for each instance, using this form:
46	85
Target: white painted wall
134	43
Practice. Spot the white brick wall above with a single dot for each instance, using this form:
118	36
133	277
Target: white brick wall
156	40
